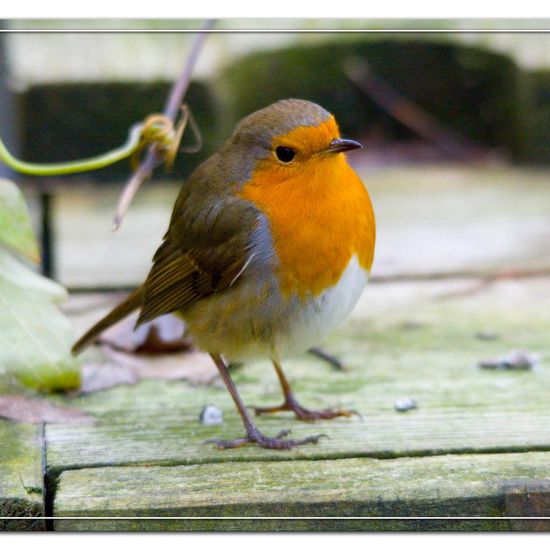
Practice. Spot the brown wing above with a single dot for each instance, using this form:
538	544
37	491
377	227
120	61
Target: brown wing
206	247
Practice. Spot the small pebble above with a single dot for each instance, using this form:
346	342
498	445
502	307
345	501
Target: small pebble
486	336
515	360
211	415
411	325
405	404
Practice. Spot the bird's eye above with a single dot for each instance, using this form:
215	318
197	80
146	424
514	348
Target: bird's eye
284	154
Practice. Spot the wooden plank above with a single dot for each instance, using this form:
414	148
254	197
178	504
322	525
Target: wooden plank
444	220
492	219
20	477
469	486
177	437
418	340
82	247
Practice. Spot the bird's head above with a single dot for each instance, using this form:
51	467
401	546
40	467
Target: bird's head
289	137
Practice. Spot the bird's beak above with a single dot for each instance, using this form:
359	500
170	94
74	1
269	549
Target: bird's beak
340	145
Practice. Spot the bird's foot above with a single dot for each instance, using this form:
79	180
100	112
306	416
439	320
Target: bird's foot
301	413
255	437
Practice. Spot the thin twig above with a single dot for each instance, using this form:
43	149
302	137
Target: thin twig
407	112
171	109
330	359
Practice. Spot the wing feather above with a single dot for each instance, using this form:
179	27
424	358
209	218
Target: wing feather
206	249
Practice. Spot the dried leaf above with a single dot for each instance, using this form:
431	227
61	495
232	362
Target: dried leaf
164	334
195	367
124	368
98	377
15	224
26	409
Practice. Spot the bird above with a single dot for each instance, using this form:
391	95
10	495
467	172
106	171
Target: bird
269	247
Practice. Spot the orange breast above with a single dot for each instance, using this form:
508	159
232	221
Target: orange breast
320	216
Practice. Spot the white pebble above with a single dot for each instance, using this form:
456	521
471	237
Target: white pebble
405	404
211	415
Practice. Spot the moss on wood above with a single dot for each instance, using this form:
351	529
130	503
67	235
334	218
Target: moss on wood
20	477
470	486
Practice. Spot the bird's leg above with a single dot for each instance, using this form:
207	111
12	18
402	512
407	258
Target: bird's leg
327	357
290	403
253	435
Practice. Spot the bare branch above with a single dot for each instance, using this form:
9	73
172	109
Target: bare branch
153	158
408	113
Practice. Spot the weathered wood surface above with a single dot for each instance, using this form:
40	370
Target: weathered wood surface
368	490
430	221
421	340
20	477
478	445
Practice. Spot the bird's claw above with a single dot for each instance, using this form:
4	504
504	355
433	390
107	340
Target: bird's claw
302	413
257	438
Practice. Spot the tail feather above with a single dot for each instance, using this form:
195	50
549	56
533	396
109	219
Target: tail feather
119	312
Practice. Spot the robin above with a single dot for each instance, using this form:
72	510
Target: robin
269	247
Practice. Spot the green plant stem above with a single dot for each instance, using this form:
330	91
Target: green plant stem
72	167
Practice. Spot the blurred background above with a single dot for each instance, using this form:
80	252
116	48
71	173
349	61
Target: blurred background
456	129
446	353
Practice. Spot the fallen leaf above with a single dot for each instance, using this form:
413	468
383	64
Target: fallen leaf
123	368
98	377
195	367
165	334
36	411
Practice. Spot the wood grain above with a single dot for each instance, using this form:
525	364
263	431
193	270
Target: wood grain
368	490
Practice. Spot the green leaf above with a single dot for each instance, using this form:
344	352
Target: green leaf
35	337
15	224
